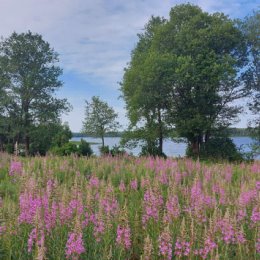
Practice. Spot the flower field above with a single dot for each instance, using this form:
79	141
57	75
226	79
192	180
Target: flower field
128	208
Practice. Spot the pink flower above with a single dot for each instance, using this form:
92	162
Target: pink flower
94	182
15	168
122	187
74	246
255	217
134	184
32	238
209	246
110	205
165	244
152	204
123	236
257	185
247	197
172	209
182	248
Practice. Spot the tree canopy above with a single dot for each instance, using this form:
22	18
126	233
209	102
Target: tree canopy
100	118
29	79
185	73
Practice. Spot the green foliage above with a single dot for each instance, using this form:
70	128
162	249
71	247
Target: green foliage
104	150
184	72
84	148
151	149
145	87
43	137
114	151
29	78
251	29
9	148
218	149
62	136
65	149
99	118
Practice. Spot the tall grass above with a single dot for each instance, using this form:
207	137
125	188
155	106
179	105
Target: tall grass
128	208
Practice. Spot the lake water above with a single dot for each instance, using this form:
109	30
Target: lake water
170	148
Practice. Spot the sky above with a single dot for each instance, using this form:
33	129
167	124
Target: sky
94	39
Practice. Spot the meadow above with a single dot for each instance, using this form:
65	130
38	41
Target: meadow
128	208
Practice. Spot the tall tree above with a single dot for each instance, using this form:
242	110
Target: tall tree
204	54
100	118
145	89
251	29
29	80
210	53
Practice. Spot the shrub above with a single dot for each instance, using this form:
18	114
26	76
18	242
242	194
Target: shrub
104	150
84	148
66	149
218	148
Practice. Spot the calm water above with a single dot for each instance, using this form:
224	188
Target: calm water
170	147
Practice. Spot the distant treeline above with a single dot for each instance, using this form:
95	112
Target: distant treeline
108	134
231	132
239	131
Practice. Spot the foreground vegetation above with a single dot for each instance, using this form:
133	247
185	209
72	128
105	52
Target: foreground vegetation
128	208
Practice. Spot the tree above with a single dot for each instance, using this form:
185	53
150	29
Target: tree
29	79
99	118
145	89
210	52
251	29
43	137
203	55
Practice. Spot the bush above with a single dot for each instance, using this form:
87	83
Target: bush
9	148
70	148
66	149
115	151
104	150
218	148
151	151
84	148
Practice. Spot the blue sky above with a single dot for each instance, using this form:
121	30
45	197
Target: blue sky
95	38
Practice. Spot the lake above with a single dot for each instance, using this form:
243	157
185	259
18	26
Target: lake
170	148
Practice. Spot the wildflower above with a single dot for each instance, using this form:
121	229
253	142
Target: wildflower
182	248
165	244
122	187
255	217
152	203
247	197
74	246
172	209
123	236
134	184
94	182
32	238
209	246
15	168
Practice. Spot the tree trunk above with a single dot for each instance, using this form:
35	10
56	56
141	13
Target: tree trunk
195	145
1	145
27	145
207	135
103	141
160	132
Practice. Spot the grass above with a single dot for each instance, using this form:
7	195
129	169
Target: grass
128	208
